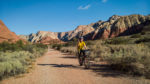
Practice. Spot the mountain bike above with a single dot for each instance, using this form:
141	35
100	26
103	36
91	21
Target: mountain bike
85	59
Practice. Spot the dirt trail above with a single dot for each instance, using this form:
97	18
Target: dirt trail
60	68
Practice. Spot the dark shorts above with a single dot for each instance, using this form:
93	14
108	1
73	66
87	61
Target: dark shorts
81	53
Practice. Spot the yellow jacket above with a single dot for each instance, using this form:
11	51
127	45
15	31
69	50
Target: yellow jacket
81	45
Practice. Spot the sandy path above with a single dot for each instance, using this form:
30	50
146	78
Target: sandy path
60	68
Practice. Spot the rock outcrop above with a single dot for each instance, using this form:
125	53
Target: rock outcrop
81	30
46	37
42	34
113	27
6	34
119	26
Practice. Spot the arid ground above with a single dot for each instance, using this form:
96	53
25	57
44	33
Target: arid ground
61	68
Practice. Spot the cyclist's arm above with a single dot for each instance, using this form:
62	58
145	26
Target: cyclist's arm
85	46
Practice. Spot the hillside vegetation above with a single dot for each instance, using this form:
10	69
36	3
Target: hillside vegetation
17	58
129	54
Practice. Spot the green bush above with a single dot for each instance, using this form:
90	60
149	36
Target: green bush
19	46
144	39
70	43
40	45
12	63
136	36
143	33
117	40
71	50
146	28
130	58
57	46
89	42
15	58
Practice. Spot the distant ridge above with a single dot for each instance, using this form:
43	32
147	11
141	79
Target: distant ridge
113	27
6	34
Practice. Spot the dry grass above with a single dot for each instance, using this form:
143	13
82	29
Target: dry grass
71	49
13	63
121	54
130	58
20	61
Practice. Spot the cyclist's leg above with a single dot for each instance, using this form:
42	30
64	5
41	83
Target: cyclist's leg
79	53
80	58
83	53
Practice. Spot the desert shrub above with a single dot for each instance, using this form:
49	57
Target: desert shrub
117	40
74	39
136	36
130	58
67	44
144	39
143	33
89	42
12	63
71	50
4	46
19	46
70	43
40	45
146	28
15	58
57	46
99	50
30	48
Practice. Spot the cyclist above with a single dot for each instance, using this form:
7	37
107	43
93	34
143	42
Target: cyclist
81	46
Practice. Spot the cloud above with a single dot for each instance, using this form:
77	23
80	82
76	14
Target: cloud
104	1
84	7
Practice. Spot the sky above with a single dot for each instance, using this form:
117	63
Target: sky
30	16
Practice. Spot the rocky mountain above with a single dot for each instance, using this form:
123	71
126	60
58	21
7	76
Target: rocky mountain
118	26
50	37
80	30
6	34
113	27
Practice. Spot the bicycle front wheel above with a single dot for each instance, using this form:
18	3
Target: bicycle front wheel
87	63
